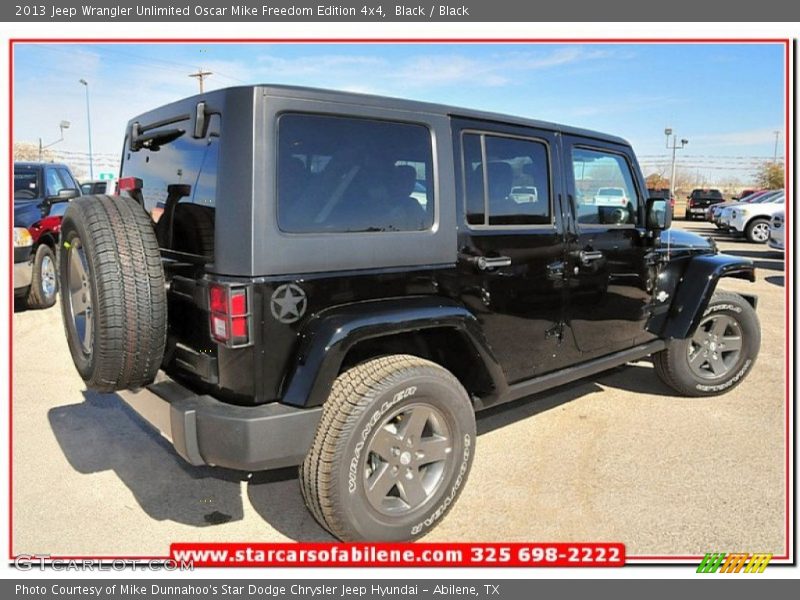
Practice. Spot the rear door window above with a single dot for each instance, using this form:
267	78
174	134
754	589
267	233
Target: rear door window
507	180
342	174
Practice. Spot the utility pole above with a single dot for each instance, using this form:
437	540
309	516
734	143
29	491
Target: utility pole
201	75
85	84
674	147
775	152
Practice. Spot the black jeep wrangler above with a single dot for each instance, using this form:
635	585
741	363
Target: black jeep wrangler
341	281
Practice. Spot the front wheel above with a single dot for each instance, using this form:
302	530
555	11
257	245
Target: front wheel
757	231
719	355
392	451
42	293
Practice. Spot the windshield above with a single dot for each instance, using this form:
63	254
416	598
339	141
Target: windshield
610	192
767	198
26	185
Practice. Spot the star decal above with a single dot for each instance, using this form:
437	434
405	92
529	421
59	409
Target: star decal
288	303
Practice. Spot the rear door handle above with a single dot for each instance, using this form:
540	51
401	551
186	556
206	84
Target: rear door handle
589	256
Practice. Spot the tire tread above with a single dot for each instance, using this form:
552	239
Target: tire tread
131	306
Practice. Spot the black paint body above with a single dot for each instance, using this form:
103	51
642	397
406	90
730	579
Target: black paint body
565	298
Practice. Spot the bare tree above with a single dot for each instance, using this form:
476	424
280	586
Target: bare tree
657	181
28	151
770	176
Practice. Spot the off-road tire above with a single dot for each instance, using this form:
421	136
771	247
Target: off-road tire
672	364
113	239
362	402
38	296
750	230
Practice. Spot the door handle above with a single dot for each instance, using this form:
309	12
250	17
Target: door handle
589	256
484	263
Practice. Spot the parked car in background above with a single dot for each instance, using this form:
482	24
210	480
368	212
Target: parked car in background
776	231
42	192
611	196
699	200
105	186
753	218
745	193
713	212
524	193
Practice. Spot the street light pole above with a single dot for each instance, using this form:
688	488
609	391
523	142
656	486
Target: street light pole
674	147
89	122
61	126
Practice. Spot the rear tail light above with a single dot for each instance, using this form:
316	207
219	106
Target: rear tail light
129	184
229	314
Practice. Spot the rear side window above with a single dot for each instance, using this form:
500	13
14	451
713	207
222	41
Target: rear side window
341	174
179	160
26	184
507	181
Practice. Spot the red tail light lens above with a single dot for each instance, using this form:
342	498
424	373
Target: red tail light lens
218	299
229	315
129	184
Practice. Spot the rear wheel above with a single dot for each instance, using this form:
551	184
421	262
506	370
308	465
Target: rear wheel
392	451
721	352
757	231
44	285
113	299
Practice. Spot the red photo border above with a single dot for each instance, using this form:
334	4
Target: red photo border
786	42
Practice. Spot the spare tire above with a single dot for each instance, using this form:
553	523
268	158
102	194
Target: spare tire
113	296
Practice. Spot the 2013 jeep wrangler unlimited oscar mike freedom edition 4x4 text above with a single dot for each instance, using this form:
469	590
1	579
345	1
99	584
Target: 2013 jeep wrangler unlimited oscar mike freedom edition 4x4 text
340	281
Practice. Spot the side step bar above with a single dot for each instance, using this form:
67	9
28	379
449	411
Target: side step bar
592	367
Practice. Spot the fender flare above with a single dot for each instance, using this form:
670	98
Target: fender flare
329	335
696	286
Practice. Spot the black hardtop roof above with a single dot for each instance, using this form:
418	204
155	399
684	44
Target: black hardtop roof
400	104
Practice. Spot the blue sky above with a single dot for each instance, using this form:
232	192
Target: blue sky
727	99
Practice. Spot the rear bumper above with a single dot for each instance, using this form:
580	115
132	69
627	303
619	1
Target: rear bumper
205	431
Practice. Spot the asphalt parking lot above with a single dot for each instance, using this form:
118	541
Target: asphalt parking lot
617	458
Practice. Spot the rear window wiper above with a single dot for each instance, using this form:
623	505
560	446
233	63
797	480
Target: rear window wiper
154	139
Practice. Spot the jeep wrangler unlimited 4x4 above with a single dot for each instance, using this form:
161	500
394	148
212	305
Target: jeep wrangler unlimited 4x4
341	281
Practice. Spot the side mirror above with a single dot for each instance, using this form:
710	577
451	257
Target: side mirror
659	214
65	194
